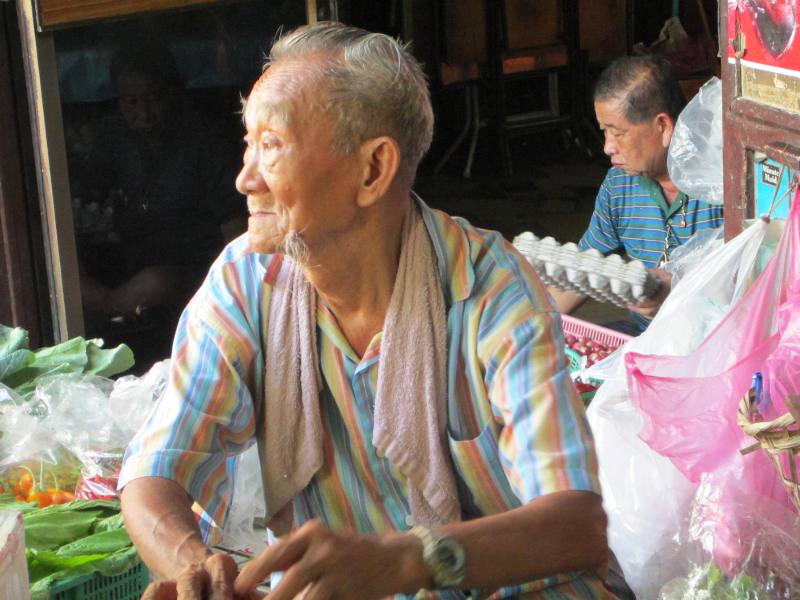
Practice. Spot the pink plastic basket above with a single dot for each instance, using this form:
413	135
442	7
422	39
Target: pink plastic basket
608	337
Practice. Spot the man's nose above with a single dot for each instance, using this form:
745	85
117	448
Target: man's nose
610	146
250	180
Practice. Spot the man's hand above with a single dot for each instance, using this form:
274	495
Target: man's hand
209	580
321	564
649	306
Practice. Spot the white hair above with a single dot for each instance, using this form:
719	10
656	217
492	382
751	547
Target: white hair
371	86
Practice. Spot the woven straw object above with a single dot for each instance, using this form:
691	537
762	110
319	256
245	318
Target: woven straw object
778	438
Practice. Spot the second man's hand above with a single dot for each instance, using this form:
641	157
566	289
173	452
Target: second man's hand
650	306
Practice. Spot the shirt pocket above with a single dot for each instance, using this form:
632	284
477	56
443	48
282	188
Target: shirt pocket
480	473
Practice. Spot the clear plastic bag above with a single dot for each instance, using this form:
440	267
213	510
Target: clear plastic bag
694	252
133	398
81	423
754	556
23	436
247	505
694	160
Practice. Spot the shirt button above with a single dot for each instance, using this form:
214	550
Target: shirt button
410	521
380	453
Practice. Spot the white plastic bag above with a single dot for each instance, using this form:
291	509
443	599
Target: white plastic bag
694	161
644	495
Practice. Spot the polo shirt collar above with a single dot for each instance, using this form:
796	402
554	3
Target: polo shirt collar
651	187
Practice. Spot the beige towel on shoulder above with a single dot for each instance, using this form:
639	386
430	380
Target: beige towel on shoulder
411	398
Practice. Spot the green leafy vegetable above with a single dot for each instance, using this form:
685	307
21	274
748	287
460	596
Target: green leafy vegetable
56	529
21	368
58	524
110	523
104	542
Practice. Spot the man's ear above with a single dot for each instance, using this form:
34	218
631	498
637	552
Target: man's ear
380	161
666	127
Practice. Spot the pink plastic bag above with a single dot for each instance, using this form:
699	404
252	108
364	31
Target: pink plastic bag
689	403
782	369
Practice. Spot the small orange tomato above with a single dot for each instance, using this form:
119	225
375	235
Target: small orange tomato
41	498
25	483
56	496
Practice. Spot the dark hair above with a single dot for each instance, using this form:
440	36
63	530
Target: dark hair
644	85
150	60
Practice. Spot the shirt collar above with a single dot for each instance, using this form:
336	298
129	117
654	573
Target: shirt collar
651	187
452	249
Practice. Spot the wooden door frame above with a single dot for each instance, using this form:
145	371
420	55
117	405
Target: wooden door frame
21	288
53	178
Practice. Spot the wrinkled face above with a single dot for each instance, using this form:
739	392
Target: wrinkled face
143	103
300	193
637	149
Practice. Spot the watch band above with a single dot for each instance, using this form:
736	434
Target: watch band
443	555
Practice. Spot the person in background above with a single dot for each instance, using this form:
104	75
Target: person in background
402	372
166	178
638	211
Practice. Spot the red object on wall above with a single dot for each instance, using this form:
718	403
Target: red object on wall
769	28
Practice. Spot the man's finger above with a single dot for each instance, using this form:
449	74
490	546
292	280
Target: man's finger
161	590
221	570
296	581
277	557
191	583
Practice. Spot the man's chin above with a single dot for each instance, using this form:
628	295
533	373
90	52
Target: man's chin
263	244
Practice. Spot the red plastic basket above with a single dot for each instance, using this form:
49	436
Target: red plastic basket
608	337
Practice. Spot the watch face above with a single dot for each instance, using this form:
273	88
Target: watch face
448	555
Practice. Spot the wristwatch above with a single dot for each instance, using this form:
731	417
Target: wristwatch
443	555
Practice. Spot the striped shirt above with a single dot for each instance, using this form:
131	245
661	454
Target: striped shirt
516	426
632	216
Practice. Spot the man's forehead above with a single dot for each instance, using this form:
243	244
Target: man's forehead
610	114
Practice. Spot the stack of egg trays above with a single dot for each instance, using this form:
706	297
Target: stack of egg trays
604	278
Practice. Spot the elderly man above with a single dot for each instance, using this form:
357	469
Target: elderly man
401	371
638	210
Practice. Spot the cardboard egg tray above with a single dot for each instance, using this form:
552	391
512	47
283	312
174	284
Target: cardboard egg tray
588	272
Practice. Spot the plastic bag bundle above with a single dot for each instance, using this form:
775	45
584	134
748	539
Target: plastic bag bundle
645	496
689	403
694	160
